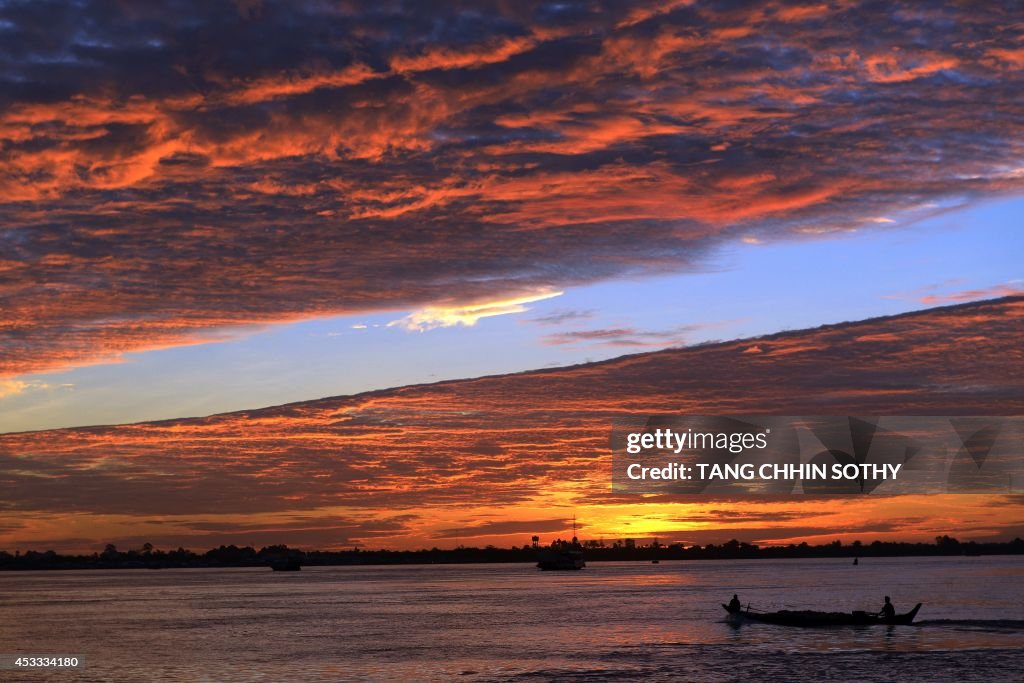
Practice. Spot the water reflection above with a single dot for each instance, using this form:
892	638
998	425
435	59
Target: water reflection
491	622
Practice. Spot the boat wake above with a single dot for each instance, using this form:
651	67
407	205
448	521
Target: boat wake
1003	625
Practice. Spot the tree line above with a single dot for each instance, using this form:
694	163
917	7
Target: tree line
148	557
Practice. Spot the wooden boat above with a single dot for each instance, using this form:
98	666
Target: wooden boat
811	619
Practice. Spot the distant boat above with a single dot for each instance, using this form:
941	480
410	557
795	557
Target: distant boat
560	560
286	564
808	618
856	560
562	555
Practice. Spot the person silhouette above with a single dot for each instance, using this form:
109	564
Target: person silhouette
734	604
887	611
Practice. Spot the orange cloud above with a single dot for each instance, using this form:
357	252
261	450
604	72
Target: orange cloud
1008	289
283	171
441	57
403	467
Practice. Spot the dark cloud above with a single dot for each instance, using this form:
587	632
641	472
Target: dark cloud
507	527
561	316
621	337
731	516
168	171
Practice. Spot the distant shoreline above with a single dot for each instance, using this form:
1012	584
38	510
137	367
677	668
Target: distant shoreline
234	556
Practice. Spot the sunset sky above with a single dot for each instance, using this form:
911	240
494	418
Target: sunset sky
496	460
212	207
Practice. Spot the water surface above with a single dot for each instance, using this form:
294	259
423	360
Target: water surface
509	621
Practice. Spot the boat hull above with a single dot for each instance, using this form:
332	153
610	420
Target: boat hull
569	560
811	619
286	565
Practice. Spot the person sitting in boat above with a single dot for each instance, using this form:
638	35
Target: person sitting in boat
887	611
734	604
